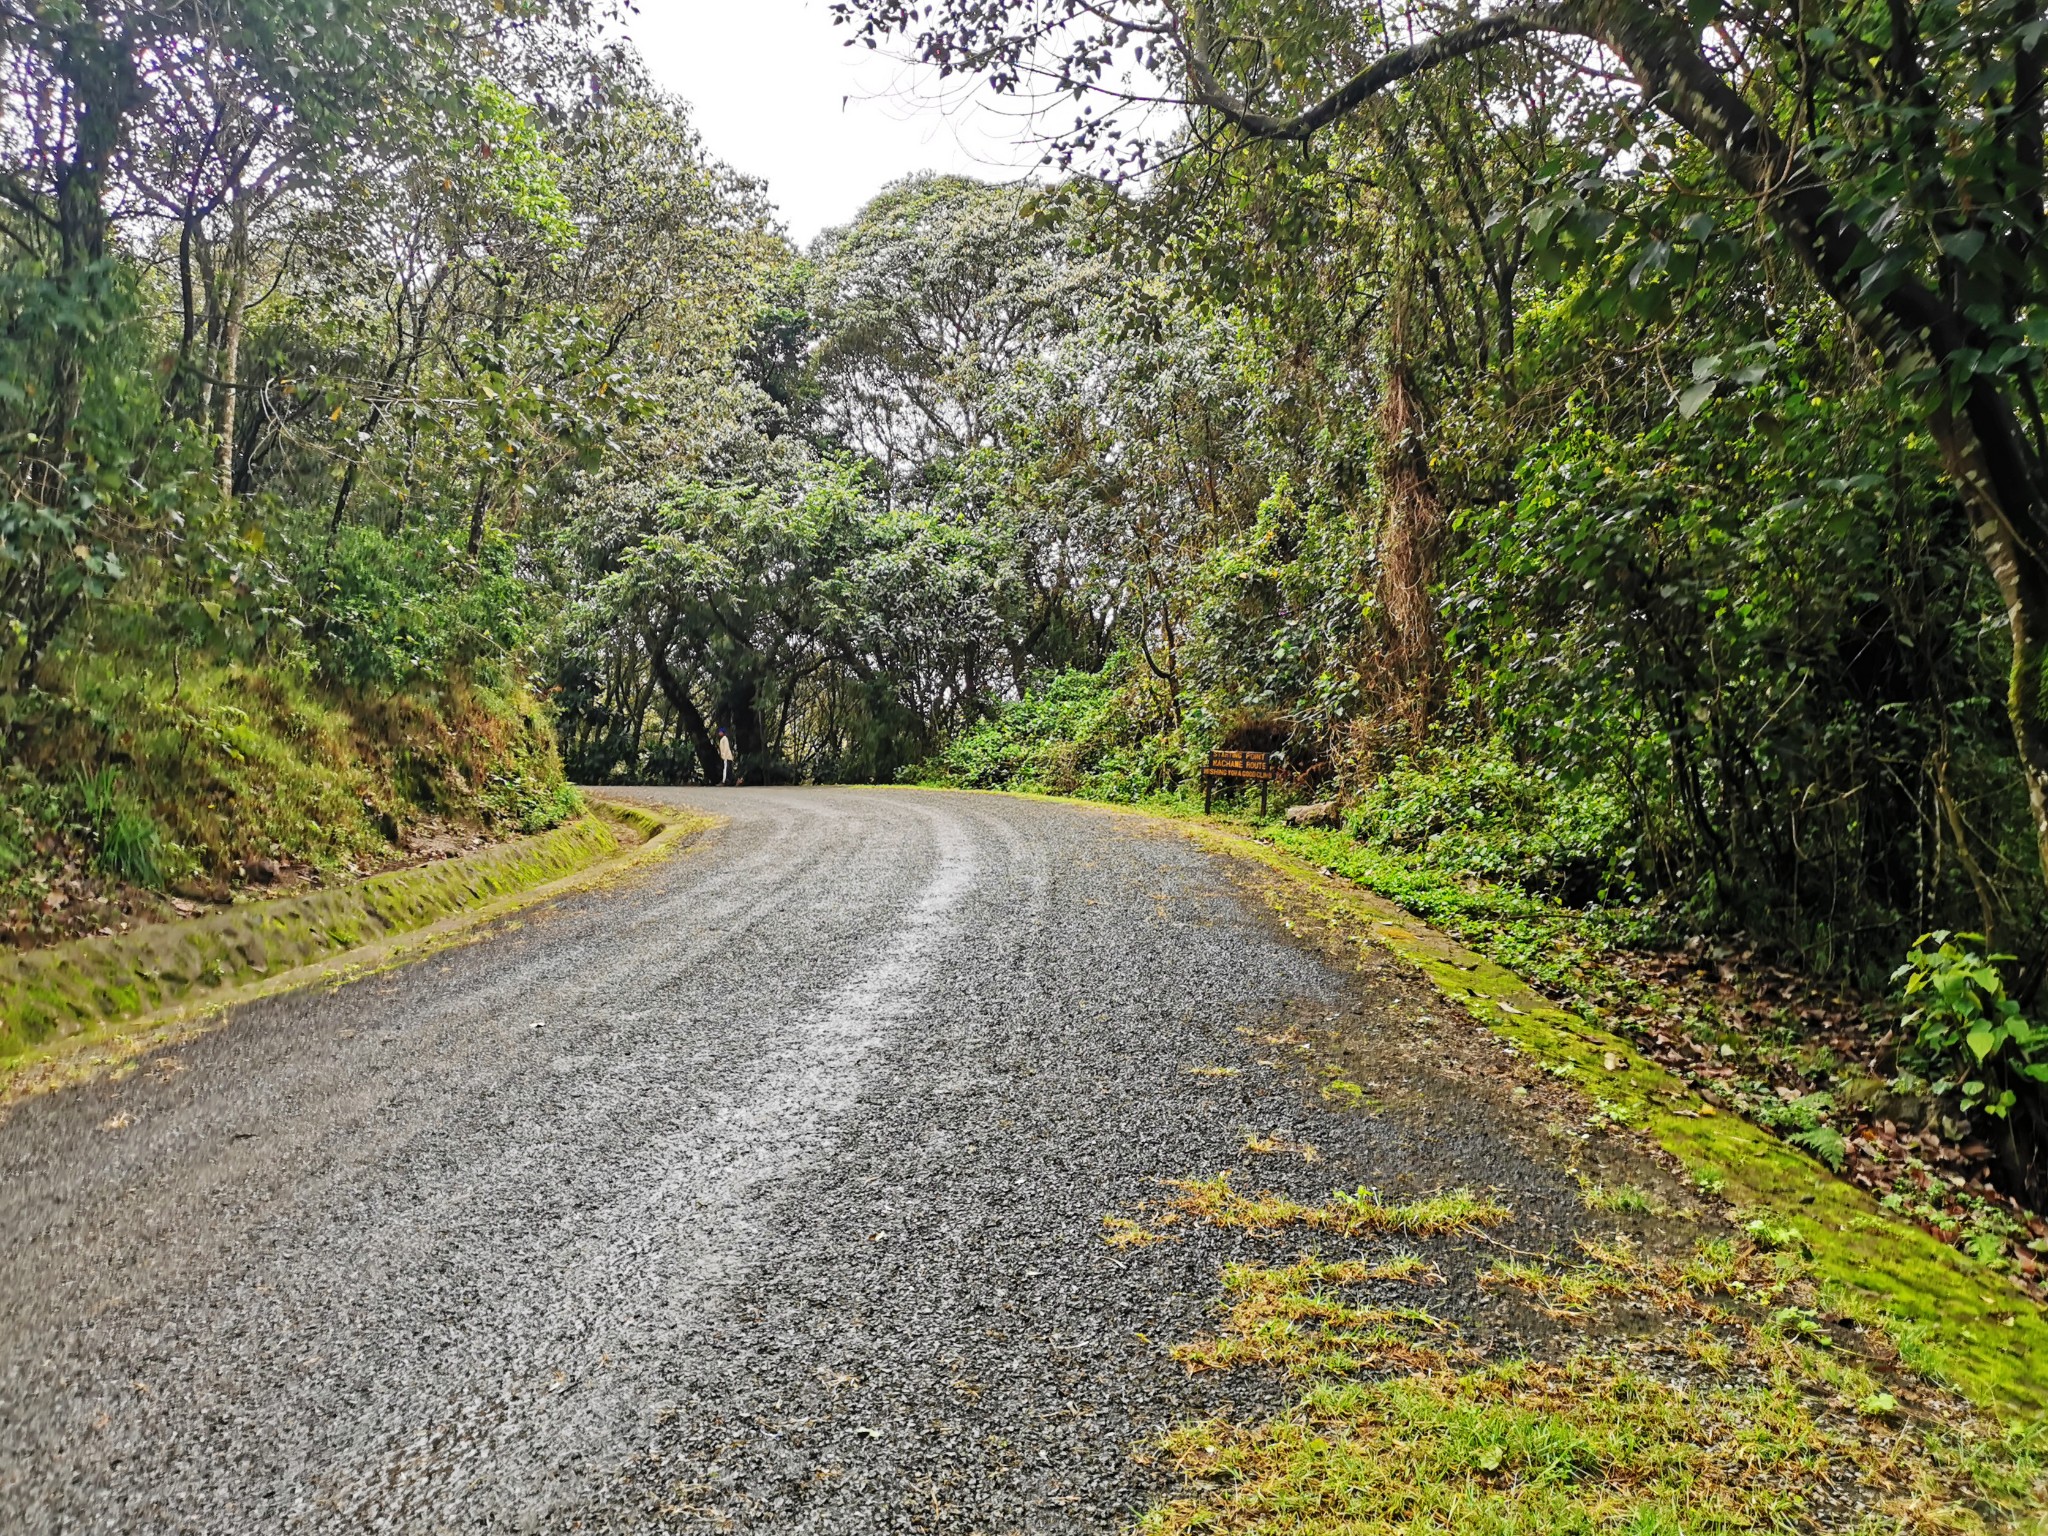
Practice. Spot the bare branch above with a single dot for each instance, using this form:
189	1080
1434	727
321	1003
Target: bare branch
1388	69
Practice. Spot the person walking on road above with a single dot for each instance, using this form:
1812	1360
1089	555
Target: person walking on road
726	758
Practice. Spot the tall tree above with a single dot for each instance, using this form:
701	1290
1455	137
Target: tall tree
1894	152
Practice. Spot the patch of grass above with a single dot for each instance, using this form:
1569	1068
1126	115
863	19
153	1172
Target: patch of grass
1612	1268
1354	1214
1276	1144
1590	1445
1123	1232
1623	1199
1399	1428
1295	1318
1316	1334
1312	1272
1611	968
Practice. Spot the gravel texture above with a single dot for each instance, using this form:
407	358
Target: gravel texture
762	1190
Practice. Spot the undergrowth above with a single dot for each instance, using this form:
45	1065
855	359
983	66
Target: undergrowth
1074	733
146	772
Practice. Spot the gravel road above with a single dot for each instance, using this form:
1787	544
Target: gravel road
761	1190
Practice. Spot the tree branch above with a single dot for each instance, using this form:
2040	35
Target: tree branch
1389	69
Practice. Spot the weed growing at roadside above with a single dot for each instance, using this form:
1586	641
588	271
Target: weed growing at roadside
1623	1199
1355	1214
1269	1146
1123	1232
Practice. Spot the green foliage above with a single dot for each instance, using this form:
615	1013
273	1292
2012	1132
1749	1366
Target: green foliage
1967	1034
268	448
928	301
1478	811
1276	612
126	841
1759	627
131	849
526	804
1075	733
1802	1121
829	635
389	611
514	174
73	517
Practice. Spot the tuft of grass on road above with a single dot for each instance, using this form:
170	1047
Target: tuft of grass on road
1348	1214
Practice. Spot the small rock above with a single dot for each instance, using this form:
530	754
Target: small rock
1321	813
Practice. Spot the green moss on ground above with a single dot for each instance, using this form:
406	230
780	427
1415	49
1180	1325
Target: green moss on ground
1744	1411
1960	1323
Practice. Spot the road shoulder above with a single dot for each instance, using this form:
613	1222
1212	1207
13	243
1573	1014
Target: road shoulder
76	1011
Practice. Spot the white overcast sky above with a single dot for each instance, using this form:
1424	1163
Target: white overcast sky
779	95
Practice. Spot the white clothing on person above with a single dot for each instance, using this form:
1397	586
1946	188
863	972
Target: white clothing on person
726	756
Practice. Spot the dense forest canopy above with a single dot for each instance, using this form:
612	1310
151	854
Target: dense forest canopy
1606	435
1731	198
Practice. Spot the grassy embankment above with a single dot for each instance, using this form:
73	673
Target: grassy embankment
177	826
142	784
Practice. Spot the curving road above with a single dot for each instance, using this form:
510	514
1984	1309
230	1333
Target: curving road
759	1191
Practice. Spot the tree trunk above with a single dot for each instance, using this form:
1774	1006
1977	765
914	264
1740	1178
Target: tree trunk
2019	566
739	713
479	505
99	69
229	360
680	701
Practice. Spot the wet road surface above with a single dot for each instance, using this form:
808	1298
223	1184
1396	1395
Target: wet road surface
762	1191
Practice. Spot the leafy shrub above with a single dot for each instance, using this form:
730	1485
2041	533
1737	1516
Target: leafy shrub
529	803
387	610
1075	733
1478	811
1802	1121
132	848
1967	1034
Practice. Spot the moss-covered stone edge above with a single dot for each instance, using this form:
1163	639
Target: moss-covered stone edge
1962	1324
49	995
